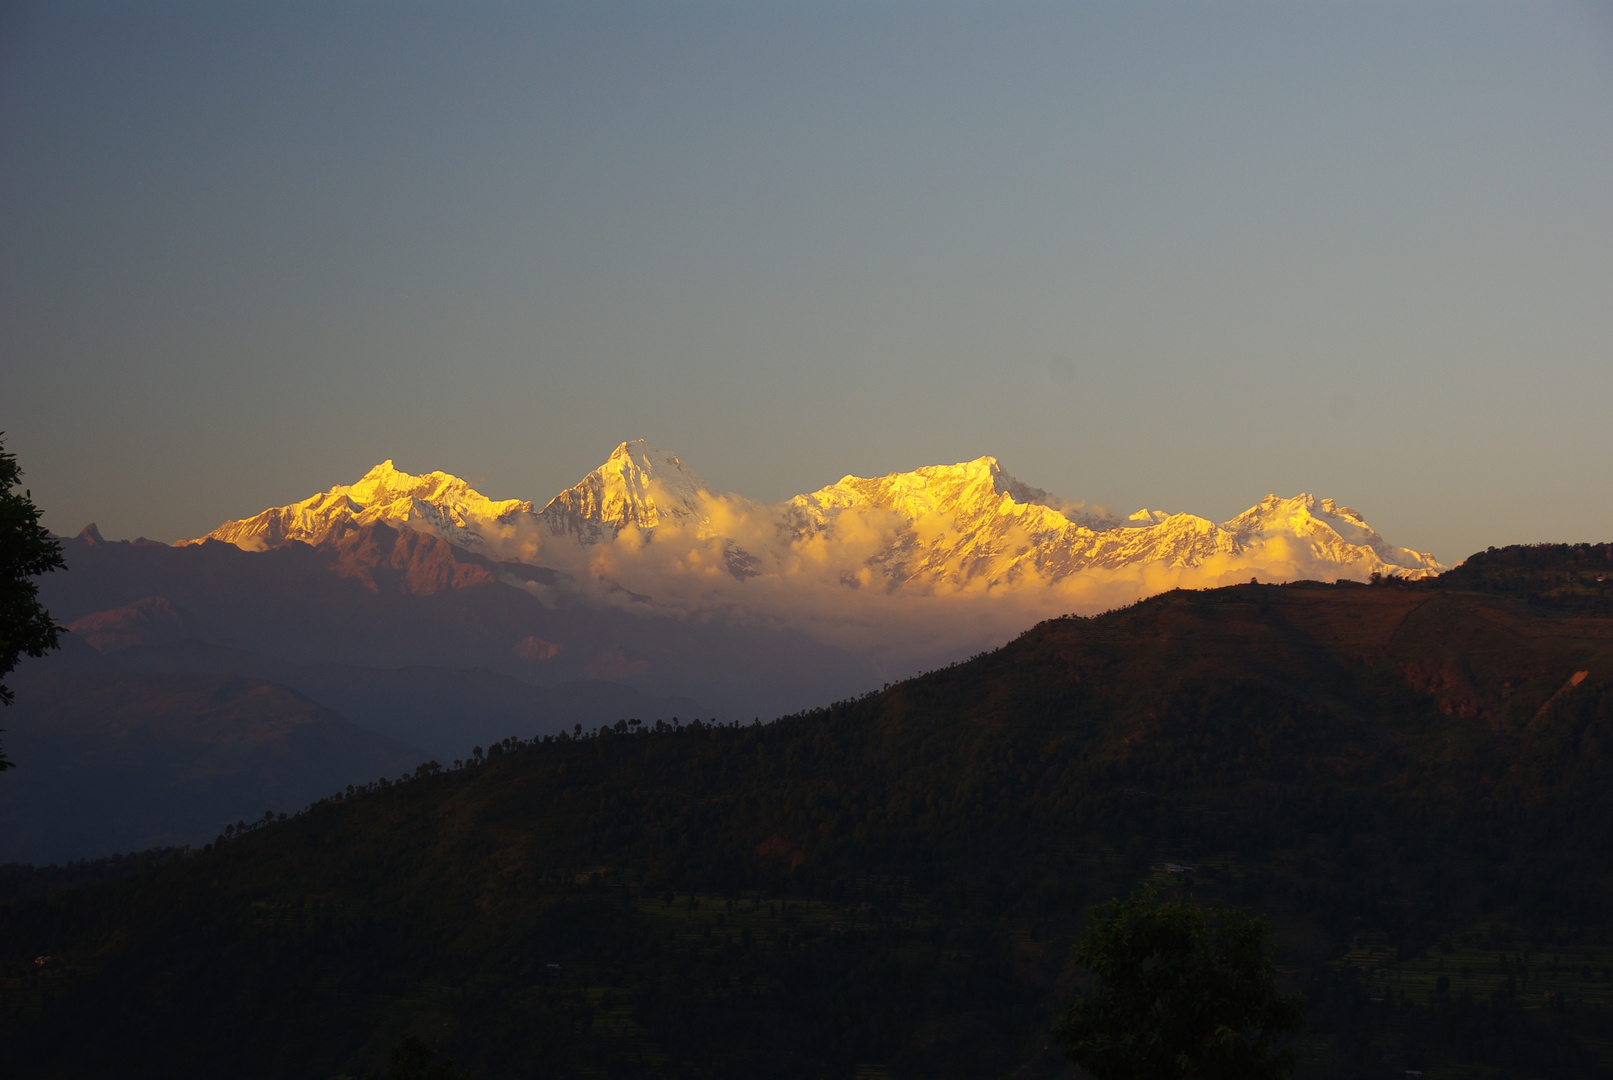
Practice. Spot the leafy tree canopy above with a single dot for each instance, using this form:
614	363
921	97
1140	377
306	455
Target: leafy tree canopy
413	1059
26	550
1180	992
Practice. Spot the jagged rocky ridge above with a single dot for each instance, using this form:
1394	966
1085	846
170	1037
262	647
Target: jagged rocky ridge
964	528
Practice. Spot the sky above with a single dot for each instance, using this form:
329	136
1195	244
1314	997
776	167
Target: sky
1164	255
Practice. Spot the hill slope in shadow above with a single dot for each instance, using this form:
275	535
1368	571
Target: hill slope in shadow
1414	783
116	762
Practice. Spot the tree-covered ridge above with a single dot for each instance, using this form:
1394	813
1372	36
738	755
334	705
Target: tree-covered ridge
894	883
1566	577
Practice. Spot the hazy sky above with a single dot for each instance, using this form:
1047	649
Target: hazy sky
1177	256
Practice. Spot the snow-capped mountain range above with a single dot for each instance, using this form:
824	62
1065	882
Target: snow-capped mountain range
642	574
646	522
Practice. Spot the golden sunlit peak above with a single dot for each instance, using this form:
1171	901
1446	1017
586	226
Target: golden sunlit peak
642	453
436	501
639	485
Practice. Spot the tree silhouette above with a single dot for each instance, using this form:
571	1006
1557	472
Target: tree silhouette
1180	992
26	550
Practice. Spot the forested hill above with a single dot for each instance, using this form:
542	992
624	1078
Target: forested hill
1410	781
1564	577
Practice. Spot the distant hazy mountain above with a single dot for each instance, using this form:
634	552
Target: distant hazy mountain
442	710
376	602
201	684
120	761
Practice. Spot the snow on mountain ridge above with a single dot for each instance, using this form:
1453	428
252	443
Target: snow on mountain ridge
1337	532
435	502
973	522
956	523
940	528
638	486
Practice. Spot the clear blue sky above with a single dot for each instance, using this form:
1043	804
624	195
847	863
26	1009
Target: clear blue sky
1169	255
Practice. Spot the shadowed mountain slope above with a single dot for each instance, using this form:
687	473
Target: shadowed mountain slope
381	597
112	762
444	711
1413	781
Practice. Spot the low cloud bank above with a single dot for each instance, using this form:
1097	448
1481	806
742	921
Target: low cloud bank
898	589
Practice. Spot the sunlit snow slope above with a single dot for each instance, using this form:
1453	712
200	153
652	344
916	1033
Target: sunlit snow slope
435	502
919	564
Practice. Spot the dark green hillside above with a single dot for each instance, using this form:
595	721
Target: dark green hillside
1414	784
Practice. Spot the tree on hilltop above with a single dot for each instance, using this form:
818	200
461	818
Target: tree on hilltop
1180	992
413	1059
26	550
